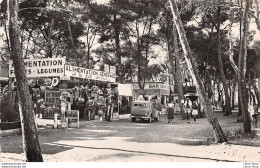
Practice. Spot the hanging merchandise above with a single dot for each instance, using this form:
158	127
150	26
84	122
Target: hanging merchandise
41	82
31	82
47	82
55	82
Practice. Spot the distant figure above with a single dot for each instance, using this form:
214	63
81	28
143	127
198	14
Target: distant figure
64	107
253	110
124	105
195	111
177	106
188	109
255	114
170	110
91	108
157	105
140	98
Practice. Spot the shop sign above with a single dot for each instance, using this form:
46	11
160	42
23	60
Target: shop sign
65	77
52	97
153	86
91	74
73	115
41	67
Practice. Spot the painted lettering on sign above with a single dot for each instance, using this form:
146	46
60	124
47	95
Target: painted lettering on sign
154	86
89	73
41	67
52	97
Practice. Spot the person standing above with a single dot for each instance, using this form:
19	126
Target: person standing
188	109
195	111
91	108
177	108
255	114
140	97
64	107
170	111
124	104
158	106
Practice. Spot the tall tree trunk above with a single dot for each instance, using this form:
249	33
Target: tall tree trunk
48	47
257	18
256	92
233	93
30	136
221	68
242	70
177	74
218	132
7	37
75	53
88	57
118	49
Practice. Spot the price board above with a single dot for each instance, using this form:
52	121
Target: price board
52	98
73	115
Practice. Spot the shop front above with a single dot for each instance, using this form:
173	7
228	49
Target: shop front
53	84
153	90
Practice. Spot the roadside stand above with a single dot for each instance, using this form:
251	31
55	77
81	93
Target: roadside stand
60	91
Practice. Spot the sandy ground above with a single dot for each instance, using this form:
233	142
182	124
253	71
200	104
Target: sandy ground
124	141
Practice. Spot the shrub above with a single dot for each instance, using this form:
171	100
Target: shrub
9	111
239	134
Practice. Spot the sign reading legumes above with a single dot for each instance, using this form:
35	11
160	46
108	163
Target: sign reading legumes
85	73
41	67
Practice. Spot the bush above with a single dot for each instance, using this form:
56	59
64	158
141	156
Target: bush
9	111
239	134
10	125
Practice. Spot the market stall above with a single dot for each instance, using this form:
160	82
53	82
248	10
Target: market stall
50	78
151	90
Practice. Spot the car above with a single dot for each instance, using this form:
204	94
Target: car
144	110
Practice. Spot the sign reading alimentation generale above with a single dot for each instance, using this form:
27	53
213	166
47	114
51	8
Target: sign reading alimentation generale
92	74
45	67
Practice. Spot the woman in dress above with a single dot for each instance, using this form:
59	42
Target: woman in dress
170	111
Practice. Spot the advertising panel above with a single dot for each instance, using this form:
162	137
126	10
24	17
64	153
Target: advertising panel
92	74
52	98
41	67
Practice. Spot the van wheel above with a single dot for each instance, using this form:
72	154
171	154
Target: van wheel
133	119
150	119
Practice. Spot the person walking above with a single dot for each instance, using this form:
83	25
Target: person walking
158	106
195	111
188	109
170	111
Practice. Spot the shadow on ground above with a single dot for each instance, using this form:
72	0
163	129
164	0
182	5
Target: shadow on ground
178	132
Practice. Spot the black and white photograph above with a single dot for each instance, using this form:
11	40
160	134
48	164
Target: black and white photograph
130	83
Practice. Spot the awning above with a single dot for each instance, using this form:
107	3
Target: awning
3	79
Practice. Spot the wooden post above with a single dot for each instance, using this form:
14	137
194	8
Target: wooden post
55	120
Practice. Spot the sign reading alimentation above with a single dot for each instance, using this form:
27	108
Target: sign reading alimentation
41	67
92	74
